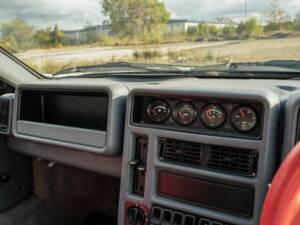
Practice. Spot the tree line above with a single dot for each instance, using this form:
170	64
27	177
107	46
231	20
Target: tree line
146	22
17	35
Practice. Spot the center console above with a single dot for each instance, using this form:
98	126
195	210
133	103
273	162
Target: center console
197	157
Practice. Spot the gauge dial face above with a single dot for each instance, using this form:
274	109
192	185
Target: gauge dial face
213	116
185	113
244	118
158	111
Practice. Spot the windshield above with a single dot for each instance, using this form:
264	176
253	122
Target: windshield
53	36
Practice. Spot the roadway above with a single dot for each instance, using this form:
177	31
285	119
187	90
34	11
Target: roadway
107	53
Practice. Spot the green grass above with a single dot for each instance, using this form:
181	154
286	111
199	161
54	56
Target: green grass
147	54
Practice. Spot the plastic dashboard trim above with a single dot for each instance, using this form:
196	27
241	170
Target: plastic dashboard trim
206	131
266	146
113	137
291	123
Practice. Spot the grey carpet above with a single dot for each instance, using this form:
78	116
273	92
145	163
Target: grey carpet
66	196
76	193
31	212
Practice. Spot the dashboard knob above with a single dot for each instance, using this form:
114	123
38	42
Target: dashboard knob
136	216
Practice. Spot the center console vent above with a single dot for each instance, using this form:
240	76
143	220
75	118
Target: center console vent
233	160
160	215
224	159
181	152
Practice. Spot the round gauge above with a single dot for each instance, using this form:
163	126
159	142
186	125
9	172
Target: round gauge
158	111
244	118
185	113
213	116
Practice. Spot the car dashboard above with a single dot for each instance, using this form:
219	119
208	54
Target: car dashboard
188	151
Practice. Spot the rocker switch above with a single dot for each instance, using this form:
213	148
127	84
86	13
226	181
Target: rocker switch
134	162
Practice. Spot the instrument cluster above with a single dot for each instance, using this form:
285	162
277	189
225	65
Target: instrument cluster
232	117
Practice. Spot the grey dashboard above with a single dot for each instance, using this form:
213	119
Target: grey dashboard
128	144
86	118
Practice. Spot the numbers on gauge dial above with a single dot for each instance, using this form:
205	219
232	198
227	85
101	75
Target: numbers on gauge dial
185	113
213	116
244	118
158	111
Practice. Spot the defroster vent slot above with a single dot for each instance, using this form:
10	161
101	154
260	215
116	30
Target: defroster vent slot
223	159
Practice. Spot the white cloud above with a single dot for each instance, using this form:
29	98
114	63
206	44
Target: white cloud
210	9
67	13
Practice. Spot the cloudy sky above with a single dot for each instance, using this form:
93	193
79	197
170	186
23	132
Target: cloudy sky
73	14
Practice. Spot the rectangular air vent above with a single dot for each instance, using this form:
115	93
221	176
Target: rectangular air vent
232	160
182	152
223	159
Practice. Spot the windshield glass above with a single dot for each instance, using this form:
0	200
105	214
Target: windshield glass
55	35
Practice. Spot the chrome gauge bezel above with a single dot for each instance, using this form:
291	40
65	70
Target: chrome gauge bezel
179	121
151	104
233	123
203	110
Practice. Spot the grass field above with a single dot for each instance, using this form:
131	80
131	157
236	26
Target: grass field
244	51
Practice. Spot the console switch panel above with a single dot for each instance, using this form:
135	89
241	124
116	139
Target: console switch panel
139	165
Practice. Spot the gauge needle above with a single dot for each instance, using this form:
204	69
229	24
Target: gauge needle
243	114
208	114
154	111
182	115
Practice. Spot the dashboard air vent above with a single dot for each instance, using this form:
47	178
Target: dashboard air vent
224	159
181	151
232	159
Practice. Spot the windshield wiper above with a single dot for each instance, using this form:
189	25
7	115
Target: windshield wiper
122	67
288	64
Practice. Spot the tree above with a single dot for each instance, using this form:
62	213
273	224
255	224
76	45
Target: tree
213	31
229	31
277	18
56	36
17	35
249	28
192	30
296	22
133	18
42	38
253	28
203	30
241	29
